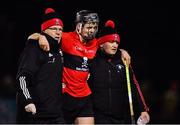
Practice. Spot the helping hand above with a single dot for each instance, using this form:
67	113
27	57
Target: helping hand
43	43
125	56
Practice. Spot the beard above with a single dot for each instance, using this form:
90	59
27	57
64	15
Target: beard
89	37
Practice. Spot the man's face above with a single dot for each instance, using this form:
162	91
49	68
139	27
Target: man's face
55	32
89	31
110	48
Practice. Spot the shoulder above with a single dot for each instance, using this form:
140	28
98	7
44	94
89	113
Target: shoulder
67	34
32	45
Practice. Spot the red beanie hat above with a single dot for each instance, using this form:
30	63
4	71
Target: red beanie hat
108	33
50	18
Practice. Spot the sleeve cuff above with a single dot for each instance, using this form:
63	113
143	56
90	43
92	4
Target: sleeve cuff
28	101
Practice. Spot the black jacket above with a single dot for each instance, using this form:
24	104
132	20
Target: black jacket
39	79
109	87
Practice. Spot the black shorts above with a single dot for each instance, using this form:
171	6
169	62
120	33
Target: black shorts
74	107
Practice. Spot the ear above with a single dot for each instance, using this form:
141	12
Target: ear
78	27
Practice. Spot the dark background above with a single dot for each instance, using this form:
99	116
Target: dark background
149	32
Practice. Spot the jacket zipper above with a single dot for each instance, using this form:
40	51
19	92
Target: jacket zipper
110	99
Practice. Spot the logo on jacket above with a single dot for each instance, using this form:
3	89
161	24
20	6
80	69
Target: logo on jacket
119	66
51	58
50	55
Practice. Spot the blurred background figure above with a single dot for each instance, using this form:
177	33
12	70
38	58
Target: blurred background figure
170	103
7	100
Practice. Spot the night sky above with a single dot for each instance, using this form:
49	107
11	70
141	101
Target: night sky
149	31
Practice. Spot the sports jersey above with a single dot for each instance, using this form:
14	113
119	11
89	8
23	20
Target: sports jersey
77	57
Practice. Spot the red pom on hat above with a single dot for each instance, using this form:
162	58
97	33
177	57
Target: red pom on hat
50	18
49	10
108	33
110	23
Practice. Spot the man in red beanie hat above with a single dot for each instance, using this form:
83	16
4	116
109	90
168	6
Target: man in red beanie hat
39	86
108	83
79	48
